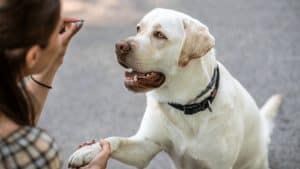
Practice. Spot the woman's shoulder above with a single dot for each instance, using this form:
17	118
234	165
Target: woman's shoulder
29	147
30	136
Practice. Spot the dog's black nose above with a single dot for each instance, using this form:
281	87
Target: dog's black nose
123	47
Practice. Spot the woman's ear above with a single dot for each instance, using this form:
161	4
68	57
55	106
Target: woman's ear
32	57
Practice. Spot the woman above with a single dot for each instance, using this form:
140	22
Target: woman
33	41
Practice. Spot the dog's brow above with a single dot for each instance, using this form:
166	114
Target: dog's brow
157	26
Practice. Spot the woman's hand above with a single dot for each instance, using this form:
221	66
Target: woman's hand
69	28
100	161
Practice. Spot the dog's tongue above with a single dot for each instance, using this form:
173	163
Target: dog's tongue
143	82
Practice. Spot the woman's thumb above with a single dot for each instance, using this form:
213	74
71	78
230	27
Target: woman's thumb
105	147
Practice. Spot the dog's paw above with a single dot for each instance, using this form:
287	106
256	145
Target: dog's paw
84	155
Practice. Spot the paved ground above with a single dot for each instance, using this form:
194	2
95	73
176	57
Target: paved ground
258	41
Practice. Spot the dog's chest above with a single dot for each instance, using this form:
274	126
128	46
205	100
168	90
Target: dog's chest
198	151
198	140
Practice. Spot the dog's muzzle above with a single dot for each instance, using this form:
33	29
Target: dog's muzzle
137	81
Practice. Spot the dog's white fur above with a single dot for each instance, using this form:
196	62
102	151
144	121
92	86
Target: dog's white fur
234	136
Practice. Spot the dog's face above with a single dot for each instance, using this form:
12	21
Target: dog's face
166	41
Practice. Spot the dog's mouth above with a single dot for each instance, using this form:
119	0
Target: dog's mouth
143	82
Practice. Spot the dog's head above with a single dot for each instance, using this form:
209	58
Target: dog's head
166	41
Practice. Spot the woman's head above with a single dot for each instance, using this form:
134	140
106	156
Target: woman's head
28	36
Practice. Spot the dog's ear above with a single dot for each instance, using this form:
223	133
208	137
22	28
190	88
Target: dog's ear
198	41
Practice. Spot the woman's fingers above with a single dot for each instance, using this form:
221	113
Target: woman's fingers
66	20
100	161
105	147
70	27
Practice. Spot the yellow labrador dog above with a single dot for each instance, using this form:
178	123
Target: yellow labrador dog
196	112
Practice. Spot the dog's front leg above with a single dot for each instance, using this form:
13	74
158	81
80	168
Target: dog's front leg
137	150
134	150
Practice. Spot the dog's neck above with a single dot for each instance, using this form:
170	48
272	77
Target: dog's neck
184	86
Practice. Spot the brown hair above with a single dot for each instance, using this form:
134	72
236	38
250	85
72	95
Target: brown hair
23	23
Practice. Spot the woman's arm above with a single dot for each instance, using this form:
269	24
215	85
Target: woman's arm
38	92
46	77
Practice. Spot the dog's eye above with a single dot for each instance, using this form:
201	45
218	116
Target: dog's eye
159	35
138	28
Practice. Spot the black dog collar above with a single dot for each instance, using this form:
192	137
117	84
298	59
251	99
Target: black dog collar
190	109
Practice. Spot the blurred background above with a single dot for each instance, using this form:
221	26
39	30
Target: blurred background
258	41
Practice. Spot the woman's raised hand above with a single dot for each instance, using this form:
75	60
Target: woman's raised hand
69	28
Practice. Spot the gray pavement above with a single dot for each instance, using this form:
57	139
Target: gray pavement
258	41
